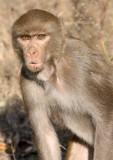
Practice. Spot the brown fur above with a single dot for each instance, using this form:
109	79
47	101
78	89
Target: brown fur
74	89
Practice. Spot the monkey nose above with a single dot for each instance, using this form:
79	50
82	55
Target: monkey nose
32	53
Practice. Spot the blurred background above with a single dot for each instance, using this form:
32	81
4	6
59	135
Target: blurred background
89	20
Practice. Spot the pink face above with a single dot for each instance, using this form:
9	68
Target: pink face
33	46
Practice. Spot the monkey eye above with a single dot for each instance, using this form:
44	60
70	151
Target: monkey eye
41	36
25	37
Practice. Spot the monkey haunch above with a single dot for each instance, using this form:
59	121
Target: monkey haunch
65	81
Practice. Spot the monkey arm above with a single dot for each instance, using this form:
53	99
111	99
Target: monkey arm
45	136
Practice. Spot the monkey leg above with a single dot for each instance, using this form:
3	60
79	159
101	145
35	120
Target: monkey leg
78	150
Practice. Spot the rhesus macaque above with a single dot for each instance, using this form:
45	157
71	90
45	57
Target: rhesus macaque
64	81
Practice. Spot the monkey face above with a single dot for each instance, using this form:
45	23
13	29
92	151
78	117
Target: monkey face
33	47
37	39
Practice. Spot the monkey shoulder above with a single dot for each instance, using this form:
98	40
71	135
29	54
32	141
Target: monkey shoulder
88	58
80	48
95	72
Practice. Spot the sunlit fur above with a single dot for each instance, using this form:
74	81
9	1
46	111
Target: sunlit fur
74	89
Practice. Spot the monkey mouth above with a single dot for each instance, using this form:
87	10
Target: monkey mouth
35	66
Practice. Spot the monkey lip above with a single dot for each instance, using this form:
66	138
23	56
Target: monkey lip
35	65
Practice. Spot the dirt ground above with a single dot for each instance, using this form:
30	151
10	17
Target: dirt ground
89	20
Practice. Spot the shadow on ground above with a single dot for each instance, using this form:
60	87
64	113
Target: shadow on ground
16	139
